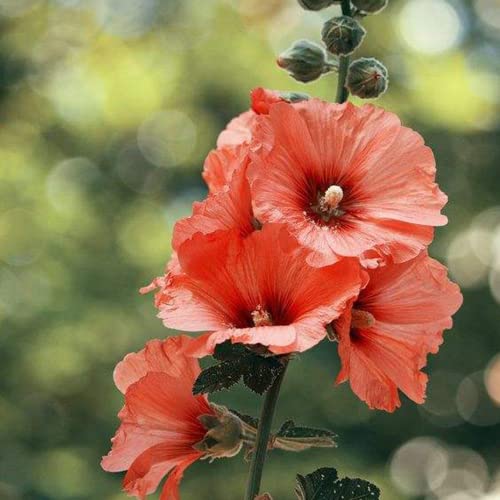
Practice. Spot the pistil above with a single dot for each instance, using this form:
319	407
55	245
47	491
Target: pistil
261	317
327	204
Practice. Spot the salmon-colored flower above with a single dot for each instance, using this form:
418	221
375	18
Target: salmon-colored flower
225	210
256	290
397	320
234	143
164	428
239	130
220	165
346	180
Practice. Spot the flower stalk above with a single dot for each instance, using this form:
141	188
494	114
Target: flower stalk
263	435
342	92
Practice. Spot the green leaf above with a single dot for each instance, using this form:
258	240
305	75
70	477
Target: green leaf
290	430
294	438
318	485
217	377
228	351
260	372
324	484
237	361
355	489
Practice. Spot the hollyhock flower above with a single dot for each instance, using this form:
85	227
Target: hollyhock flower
347	181
256	290
220	165
397	320
164	428
228	209
239	130
234	143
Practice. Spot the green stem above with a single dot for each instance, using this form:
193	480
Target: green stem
263	434
342	92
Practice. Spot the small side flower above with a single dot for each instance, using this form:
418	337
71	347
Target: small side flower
164	428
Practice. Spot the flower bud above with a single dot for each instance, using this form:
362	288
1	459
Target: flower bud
295	96
305	61
367	78
342	35
370	6
316	4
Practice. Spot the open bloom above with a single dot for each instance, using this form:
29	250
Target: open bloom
397	320
164	428
347	181
256	290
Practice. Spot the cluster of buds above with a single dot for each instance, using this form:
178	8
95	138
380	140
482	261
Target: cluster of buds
307	61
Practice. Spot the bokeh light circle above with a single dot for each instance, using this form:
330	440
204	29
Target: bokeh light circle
419	466
474	403
126	18
430	26
167	138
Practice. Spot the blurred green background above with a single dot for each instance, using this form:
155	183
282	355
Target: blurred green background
107	110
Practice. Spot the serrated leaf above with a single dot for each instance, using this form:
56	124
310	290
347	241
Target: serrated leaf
355	489
217	377
324	484
318	485
227	351
290	430
259	373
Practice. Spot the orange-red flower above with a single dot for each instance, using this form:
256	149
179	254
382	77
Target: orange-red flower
346	180
240	129
228	209
235	142
162	428
220	165
397	320
256	290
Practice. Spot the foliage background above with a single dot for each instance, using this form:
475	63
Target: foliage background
107	110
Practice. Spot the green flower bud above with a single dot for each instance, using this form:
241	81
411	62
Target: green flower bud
316	4
342	35
305	61
370	6
295	96
367	78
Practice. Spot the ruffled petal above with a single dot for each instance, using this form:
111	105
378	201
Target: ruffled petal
147	471
221	164
238	130
171	488
228	209
163	356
